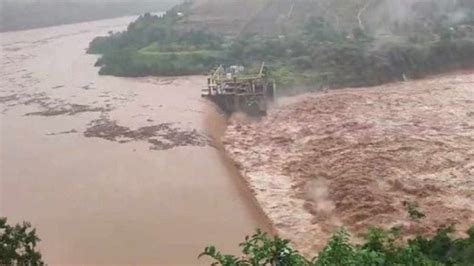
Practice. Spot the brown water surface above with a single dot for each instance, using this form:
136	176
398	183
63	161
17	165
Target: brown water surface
111	170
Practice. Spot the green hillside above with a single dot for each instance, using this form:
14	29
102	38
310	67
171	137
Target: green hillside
307	43
283	16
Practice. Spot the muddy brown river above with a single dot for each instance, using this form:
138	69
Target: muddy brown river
112	170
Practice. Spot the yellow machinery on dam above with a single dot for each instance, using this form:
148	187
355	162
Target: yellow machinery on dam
233	91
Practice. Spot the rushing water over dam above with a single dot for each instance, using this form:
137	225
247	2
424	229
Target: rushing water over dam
111	170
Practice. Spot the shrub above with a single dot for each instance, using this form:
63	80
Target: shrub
259	249
18	244
379	248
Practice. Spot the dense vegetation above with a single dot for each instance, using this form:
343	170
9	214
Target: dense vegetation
18	244
28	14
153	46
380	247
316	53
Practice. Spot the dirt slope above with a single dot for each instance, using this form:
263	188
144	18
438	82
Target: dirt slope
351	158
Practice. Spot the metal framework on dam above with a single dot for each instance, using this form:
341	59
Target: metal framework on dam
233	91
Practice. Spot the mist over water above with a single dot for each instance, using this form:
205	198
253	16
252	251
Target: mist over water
28	14
386	14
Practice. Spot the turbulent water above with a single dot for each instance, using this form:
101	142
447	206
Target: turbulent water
111	170
355	157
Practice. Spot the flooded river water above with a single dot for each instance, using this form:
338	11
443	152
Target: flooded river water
111	170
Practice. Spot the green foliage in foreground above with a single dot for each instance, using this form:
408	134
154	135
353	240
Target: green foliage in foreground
18	244
380	248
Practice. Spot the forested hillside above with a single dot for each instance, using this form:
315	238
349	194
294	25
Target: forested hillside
28	14
312	43
283	16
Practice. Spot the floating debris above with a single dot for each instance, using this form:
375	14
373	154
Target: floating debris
161	137
69	109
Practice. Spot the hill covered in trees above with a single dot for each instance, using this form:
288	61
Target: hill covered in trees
312	43
28	14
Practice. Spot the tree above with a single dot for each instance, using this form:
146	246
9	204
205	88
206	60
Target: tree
259	249
18	244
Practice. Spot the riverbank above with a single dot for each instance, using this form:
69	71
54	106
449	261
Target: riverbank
351	158
96	163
